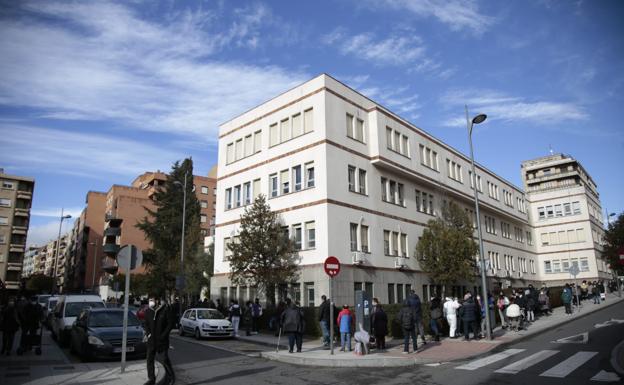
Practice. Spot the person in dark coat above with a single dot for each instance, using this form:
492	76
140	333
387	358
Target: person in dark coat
407	320
435	317
470	314
10	325
30	318
159	320
416	305
324	319
293	325
379	321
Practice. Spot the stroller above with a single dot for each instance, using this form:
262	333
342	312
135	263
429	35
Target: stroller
32	341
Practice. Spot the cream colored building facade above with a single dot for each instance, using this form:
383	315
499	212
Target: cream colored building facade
567	218
353	180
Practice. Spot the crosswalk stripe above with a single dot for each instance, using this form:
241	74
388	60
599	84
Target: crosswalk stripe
527	362
568	366
473	365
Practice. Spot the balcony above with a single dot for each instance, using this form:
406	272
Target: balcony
14	267
112	232
24	195
20	212
112	220
15	247
554	175
111	248
109	265
19	230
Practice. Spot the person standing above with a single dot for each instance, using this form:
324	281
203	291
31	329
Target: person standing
407	320
501	304
324	319
469	313
256	313
566	298
450	312
435	315
159	321
247	317
32	314
235	316
379	321
292	324
345	323
10	325
416	305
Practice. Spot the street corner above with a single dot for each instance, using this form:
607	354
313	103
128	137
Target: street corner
323	358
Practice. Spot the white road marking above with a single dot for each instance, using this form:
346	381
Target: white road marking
489	359
527	362
605	376
582	338
568	366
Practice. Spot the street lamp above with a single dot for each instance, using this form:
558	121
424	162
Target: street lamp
477	120
58	247
181	277
94	264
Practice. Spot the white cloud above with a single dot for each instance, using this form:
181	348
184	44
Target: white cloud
39	235
101	61
55	212
500	106
81	154
457	14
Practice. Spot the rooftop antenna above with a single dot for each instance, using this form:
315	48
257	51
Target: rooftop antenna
551	150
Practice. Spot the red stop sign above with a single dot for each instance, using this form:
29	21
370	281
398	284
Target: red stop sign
332	266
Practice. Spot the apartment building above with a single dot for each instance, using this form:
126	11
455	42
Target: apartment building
30	260
567	218
352	179
16	194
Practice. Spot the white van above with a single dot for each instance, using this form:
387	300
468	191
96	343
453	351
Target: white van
65	312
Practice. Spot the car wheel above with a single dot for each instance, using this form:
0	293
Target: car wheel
197	334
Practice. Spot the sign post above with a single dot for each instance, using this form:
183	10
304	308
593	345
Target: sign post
618	279
574	270
332	268
128	257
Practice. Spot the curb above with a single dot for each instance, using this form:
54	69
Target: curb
381	362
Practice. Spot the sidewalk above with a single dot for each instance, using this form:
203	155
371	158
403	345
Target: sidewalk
314	354
53	367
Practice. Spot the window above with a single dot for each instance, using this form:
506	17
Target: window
285	130
405	146
404	245
247	193
248	145
297	125
547	267
310	232
297	237
364	238
228	198
238	149
297	177
558	211
273	135
359	130
529	238
556	266
567	209
227	253
390	293
229	158
505	230
8	184
386	242
418	202
428	157
353	236
203	204
580	235
584	266
2	241
490	225
392	192
204	190
237	195
492	190
395	243
454	171
479	185
257	141
5	202
273	186
541	212
549	212
389	138
351	178
256	188
308	121
285	181
400	201
397	142
576	208
309	167
384	192
203	218
362	181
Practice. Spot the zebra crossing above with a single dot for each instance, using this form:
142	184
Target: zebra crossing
560	370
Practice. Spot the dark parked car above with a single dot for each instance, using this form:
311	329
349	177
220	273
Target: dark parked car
97	333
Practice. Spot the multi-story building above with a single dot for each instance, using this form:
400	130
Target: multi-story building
352	179
567	218
30	259
16	193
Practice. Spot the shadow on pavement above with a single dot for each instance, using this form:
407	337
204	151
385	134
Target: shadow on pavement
241	373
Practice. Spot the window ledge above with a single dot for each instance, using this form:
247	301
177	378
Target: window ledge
398	153
358	193
290	193
357	140
394	204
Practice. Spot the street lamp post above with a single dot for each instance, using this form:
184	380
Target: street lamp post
476	120
617	279
95	244
58	247
181	277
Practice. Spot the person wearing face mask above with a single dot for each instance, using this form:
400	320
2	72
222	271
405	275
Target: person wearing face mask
159	320
10	324
379	320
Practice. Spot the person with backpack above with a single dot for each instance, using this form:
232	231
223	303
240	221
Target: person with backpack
435	316
566	298
470	314
407	320
256	313
345	323
416	305
544	302
235	316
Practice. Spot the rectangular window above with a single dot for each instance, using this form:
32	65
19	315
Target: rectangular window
364	238
567	209
350	126
273	135
529	238
362	181
228	198
4	221
238	150
229	158
237	195
419	206
584	266
285	181
310	231
547	267
273	185
309	167
309	294
256	188
384	193
405	146
285	133
549	212
297	126
545	240
576	208
203	204
395	243
390	293
353	228
204	190
297	236
247	192
5	202
556	266
400	196
572	236
392	191
203	218
308	120
558	211
359	130
400	292
397	141
541	212
389	138
297	177
351	178
580	235
404	245
257	141
386	242
248	145
7	184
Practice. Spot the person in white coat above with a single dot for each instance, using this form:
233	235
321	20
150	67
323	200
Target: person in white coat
450	312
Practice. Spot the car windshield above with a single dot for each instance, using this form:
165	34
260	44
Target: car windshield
52	303
107	319
209	314
73	309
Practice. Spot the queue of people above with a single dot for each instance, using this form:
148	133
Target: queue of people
20	314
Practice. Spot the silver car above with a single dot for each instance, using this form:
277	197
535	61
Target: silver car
201	323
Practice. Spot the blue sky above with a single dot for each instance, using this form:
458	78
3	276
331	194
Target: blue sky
95	93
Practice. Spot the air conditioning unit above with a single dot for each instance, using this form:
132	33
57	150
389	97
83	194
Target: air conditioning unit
400	262
357	258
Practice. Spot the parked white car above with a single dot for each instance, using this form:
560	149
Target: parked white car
65	312
205	323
